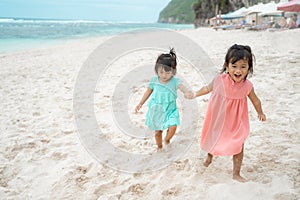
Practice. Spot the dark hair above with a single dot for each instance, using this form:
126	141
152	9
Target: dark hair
168	61
239	52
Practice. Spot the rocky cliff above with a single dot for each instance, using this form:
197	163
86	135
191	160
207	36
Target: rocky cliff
206	9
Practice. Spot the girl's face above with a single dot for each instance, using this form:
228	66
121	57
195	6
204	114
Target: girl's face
239	70
164	76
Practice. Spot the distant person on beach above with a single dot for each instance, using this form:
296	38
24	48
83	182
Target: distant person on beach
282	23
162	89
298	20
226	125
244	22
292	22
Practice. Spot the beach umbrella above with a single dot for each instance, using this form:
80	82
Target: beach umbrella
271	14
270	9
292	6
231	16
240	13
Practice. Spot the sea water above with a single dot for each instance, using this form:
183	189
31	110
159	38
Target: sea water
25	33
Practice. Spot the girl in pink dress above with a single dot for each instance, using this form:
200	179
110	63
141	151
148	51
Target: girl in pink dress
226	125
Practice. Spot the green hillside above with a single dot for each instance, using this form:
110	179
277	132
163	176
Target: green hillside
178	11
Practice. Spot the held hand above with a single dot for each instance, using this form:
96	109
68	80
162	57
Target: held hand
189	95
138	107
262	117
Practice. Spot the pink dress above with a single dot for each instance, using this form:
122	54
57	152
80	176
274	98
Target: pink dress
226	125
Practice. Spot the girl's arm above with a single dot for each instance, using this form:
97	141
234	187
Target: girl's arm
257	105
204	90
187	93
144	99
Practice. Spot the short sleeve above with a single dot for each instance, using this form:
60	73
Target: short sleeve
177	82
249	86
151	83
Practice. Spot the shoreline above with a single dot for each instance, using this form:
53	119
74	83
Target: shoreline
22	34
53	43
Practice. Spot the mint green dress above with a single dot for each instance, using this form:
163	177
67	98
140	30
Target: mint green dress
162	108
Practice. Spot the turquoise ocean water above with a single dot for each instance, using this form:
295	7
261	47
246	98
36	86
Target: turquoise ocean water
20	34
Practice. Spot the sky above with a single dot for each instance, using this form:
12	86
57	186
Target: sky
106	10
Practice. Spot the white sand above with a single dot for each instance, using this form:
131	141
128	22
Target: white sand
42	157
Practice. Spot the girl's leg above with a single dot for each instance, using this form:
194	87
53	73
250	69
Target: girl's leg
158	139
208	160
170	133
237	164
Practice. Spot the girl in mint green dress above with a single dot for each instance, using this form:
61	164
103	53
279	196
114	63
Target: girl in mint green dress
162	89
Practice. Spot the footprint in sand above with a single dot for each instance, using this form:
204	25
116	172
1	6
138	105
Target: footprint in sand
137	188
173	191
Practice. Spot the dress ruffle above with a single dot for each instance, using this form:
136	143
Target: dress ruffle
162	109
163	97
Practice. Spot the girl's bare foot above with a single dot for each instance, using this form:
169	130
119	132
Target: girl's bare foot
208	160
239	178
